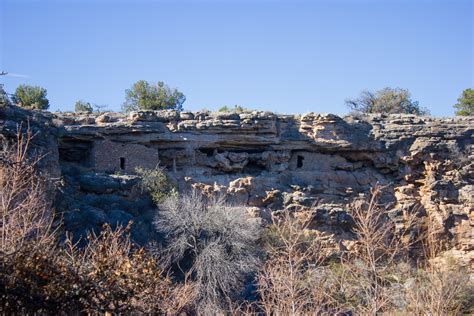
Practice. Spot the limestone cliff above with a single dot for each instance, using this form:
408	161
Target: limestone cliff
313	162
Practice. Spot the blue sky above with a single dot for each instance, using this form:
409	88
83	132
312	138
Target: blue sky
284	56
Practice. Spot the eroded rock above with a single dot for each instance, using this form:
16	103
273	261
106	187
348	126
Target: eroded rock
313	164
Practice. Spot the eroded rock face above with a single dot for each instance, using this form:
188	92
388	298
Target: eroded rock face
316	163
14	120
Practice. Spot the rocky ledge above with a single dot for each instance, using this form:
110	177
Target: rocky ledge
311	164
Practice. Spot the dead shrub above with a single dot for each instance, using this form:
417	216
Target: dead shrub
369	280
112	276
293	280
432	240
38	275
27	237
25	210
439	285
212	244
439	290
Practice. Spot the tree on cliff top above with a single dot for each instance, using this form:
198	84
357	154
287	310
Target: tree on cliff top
236	109
465	105
31	97
4	99
387	100
145	96
82	106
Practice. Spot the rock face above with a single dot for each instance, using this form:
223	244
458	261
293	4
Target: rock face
44	140
317	162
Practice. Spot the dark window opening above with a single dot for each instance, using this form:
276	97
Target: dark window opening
253	168
75	151
299	162
208	151
122	163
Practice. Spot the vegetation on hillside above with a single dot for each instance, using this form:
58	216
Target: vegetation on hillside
214	257
387	101
4	98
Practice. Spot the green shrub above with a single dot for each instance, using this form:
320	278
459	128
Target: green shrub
4	99
465	105
145	96
236	109
31	97
82	106
156	182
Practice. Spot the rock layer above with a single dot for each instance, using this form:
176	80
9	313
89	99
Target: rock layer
313	162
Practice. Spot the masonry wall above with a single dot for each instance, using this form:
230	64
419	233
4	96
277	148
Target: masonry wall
110	156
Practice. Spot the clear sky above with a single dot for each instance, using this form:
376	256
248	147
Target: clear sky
283	56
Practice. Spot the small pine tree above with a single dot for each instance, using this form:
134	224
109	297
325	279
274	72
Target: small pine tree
82	106
465	105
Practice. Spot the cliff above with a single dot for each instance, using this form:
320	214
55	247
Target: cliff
313	164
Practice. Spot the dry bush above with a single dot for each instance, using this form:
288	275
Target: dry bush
213	244
107	276
432	239
25	210
39	275
374	276
27	238
369	279
293	280
378	276
439	285
112	276
439	291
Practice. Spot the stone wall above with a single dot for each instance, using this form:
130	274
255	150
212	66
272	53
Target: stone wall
109	156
